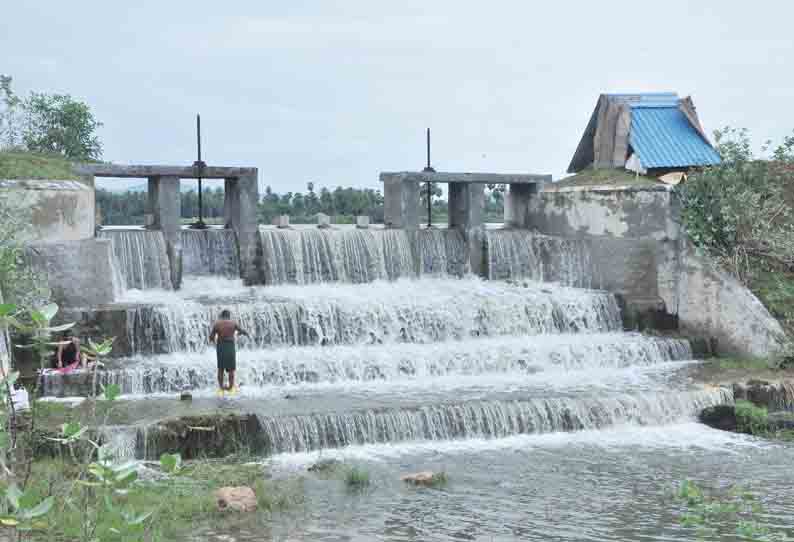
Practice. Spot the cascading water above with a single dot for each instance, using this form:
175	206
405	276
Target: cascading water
311	255
210	252
379	336
521	254
377	313
140	258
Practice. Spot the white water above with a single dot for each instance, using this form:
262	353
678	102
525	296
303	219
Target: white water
430	310
140	258
305	256
518	358
210	252
521	254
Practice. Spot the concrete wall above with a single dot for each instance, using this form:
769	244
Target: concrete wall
638	249
60	210
626	212
79	273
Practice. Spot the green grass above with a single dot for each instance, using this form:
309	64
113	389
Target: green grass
596	177
775	289
750	364
24	165
177	503
751	419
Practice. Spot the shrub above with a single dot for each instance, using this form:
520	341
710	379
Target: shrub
357	478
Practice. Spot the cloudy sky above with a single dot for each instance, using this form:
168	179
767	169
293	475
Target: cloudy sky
334	92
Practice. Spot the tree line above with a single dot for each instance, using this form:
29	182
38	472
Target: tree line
342	204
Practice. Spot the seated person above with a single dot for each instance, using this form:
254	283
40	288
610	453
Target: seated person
68	357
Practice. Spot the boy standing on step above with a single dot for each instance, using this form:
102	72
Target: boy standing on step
223	334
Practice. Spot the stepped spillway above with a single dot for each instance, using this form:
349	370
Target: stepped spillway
430	310
381	337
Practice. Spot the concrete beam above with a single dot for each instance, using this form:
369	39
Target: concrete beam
479	178
183	172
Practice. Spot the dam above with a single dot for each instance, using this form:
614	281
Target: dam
546	359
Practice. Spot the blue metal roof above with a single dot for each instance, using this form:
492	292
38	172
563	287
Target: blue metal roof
663	137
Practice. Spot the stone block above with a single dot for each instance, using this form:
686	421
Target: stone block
323	221
362	222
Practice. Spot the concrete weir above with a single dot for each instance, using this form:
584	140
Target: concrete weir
465	200
241	192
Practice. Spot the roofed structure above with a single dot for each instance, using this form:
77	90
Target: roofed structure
641	132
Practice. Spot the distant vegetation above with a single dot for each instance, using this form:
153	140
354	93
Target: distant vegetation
742	213
343	204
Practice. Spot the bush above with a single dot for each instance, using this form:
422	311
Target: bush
741	211
357	478
751	419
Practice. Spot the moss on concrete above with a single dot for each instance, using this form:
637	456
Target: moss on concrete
600	177
25	165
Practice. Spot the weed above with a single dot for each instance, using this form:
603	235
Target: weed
357	478
751	419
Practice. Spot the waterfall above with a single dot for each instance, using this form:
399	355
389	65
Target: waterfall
306	256
398	362
481	419
377	313
521	254
210	252
442	252
140	258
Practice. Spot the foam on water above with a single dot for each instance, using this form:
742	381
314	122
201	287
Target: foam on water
680	436
481	419
517	357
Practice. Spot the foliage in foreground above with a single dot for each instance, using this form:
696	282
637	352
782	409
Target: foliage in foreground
717	514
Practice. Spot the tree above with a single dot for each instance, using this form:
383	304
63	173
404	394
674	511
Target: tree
10	115
59	124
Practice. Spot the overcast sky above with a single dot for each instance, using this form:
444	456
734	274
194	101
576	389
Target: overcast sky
335	92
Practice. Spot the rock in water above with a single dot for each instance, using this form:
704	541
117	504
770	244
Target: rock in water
424	478
325	465
185	397
238	499
719	417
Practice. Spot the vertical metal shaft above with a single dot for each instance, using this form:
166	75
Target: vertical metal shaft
429	194
198	142
428	149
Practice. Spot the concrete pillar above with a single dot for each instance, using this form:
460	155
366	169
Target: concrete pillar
166	205
231	203
243	209
466	201
400	202
516	204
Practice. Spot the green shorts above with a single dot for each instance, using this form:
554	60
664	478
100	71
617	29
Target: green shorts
227	355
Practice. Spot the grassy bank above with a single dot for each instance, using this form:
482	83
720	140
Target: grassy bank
775	289
25	165
173	506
